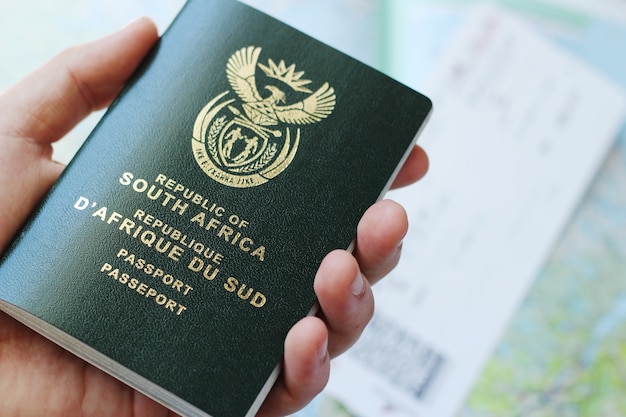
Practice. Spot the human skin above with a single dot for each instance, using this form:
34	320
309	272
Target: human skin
39	378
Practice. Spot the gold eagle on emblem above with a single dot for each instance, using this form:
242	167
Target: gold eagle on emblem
262	138
272	110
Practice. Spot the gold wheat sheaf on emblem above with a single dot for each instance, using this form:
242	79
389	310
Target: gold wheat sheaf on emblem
246	141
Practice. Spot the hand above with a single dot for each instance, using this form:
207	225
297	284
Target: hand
39	378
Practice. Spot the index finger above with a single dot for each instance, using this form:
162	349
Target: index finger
48	103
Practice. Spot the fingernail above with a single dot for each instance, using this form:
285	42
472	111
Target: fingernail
358	285
323	350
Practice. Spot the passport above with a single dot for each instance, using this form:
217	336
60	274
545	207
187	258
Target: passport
180	244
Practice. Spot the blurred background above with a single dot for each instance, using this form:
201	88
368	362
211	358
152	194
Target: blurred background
511	296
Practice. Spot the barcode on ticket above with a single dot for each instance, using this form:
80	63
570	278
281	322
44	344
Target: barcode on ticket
399	357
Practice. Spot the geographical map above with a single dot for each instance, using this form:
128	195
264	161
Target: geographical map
564	354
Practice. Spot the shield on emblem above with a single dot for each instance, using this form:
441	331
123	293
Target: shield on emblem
240	145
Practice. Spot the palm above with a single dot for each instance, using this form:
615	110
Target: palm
63	385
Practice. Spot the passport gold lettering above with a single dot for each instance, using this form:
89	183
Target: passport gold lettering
169	191
143	289
229	235
154	232
148	237
176	235
153	271
197	265
244	292
166	199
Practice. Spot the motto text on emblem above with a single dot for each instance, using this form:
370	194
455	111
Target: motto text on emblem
248	142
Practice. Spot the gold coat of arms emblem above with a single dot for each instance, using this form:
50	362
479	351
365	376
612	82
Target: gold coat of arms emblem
247	138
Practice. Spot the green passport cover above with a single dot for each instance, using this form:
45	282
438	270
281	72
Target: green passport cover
181	243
